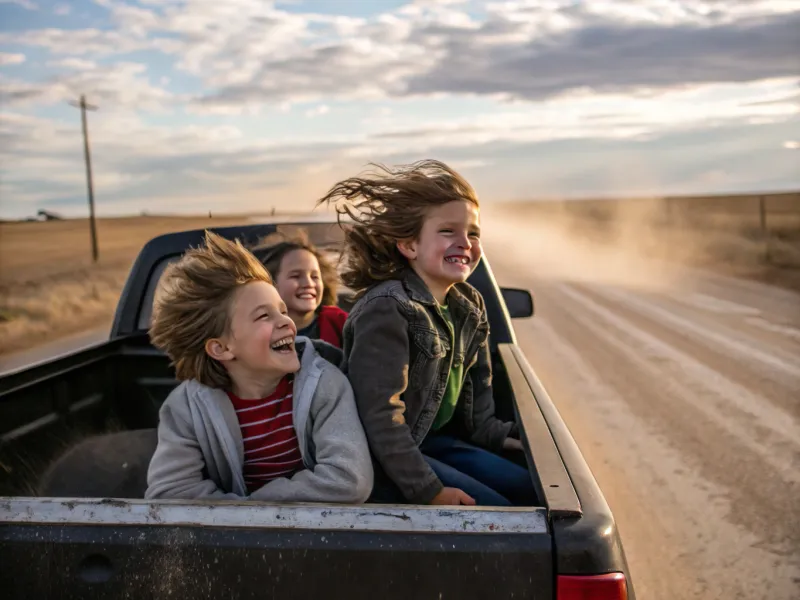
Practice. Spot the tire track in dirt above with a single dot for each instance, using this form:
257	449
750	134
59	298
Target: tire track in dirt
698	464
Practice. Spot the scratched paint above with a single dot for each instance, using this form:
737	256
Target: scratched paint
394	518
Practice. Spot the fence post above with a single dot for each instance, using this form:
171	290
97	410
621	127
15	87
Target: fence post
762	212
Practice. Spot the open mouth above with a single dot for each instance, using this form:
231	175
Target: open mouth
306	296
284	345
457	259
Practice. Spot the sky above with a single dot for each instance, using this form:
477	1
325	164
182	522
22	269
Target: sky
249	105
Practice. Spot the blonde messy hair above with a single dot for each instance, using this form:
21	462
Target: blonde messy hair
192	305
390	206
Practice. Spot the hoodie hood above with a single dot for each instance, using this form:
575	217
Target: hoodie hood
305	384
321	348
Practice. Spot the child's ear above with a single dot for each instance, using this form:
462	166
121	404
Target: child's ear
407	248
218	350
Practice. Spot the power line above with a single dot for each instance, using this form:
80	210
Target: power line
82	104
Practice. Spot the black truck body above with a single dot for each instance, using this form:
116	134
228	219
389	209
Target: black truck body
68	536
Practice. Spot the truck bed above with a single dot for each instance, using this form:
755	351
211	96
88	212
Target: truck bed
104	545
49	408
111	387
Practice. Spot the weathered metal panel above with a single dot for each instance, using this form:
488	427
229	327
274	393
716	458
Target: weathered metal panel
88	562
559	493
370	517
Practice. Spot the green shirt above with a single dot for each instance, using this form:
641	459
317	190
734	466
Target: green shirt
453	391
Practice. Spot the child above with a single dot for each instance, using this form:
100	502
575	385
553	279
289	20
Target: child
307	283
415	343
250	419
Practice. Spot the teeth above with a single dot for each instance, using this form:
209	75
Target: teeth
458	259
280	343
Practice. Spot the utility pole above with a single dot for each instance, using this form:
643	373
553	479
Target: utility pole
88	159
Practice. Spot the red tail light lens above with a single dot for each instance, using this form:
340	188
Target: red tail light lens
611	586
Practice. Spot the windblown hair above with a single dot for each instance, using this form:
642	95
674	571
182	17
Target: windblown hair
271	250
389	206
193	304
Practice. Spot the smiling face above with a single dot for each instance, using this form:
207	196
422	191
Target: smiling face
260	340
299	283
448	248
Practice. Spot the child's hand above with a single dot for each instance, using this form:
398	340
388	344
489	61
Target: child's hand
452	497
512	444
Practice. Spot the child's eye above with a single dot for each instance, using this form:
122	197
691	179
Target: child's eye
445	231
263	316
475	234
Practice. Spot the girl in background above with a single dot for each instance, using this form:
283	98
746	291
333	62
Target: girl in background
307	283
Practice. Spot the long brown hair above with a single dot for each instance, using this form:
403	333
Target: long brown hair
271	250
388	206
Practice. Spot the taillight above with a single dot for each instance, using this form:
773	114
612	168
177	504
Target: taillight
611	586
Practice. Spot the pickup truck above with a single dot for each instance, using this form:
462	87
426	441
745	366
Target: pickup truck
77	433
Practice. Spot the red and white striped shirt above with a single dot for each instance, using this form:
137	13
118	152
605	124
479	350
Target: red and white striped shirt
271	449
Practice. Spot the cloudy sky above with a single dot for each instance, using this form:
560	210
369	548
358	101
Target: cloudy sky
242	105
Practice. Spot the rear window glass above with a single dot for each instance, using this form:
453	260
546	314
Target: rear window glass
328	237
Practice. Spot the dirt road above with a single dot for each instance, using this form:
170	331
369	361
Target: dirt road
683	391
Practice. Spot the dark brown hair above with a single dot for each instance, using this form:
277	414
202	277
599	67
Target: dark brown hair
271	250
192	305
388	206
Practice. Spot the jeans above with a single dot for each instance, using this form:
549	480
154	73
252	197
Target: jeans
490	479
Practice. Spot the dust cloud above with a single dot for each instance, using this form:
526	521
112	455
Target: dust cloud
645	244
616	244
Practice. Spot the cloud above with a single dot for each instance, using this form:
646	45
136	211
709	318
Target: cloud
11	59
530	98
791	99
96	42
249	52
520	50
791	145
557	148
608	116
602	55
78	64
318	111
123	84
134	164
26	4
62	10
440	2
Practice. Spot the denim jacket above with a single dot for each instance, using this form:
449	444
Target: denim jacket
397	356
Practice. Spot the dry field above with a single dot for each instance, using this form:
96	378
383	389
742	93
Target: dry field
50	288
48	284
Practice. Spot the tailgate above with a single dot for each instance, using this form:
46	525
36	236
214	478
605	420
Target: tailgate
57	548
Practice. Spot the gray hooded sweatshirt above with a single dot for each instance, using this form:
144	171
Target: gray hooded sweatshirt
200	452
